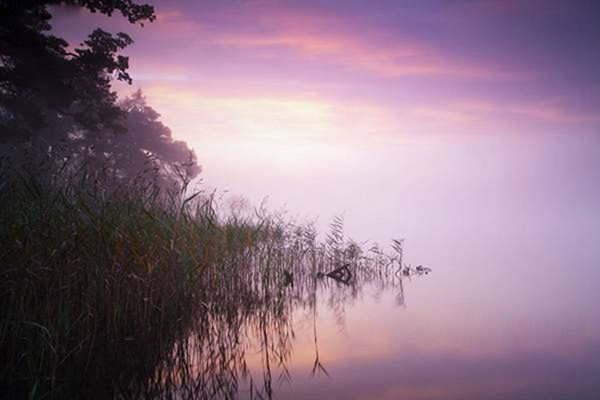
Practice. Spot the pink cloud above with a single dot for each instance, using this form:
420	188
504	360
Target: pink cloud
399	59
167	15
312	34
553	111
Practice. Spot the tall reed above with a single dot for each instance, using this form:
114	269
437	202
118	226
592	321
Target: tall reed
102	280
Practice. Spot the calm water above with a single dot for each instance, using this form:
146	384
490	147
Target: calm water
510	227
453	339
459	332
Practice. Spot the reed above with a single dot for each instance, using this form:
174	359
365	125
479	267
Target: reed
103	280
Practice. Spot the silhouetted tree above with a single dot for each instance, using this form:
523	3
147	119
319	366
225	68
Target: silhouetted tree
39	76
147	148
51	95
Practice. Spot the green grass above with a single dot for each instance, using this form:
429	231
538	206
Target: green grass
102	282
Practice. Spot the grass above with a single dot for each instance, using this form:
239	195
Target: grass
121	289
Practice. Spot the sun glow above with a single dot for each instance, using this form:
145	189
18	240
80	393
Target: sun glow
193	113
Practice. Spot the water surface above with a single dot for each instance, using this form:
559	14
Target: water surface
509	226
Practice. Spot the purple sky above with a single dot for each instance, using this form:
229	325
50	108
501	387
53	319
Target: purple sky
381	68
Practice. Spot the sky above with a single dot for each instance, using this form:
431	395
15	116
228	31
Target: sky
469	128
276	96
324	70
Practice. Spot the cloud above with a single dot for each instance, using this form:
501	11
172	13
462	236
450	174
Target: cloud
200	114
442	114
553	111
488	116
275	117
548	111
395	59
317	36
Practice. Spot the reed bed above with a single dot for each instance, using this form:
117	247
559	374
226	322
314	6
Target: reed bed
113	289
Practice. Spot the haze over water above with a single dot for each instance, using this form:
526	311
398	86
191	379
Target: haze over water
468	128
510	309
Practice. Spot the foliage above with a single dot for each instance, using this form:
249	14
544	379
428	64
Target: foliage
39	76
148	144
53	97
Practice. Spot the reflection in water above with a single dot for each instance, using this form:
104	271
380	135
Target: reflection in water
253	307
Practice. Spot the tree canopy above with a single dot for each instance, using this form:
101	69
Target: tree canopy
50	93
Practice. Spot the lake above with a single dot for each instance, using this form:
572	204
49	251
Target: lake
509	226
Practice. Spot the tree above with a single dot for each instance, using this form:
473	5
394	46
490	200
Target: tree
147	147
39	76
50	95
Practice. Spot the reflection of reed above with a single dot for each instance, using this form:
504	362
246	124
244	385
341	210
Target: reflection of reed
258	291
317	366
